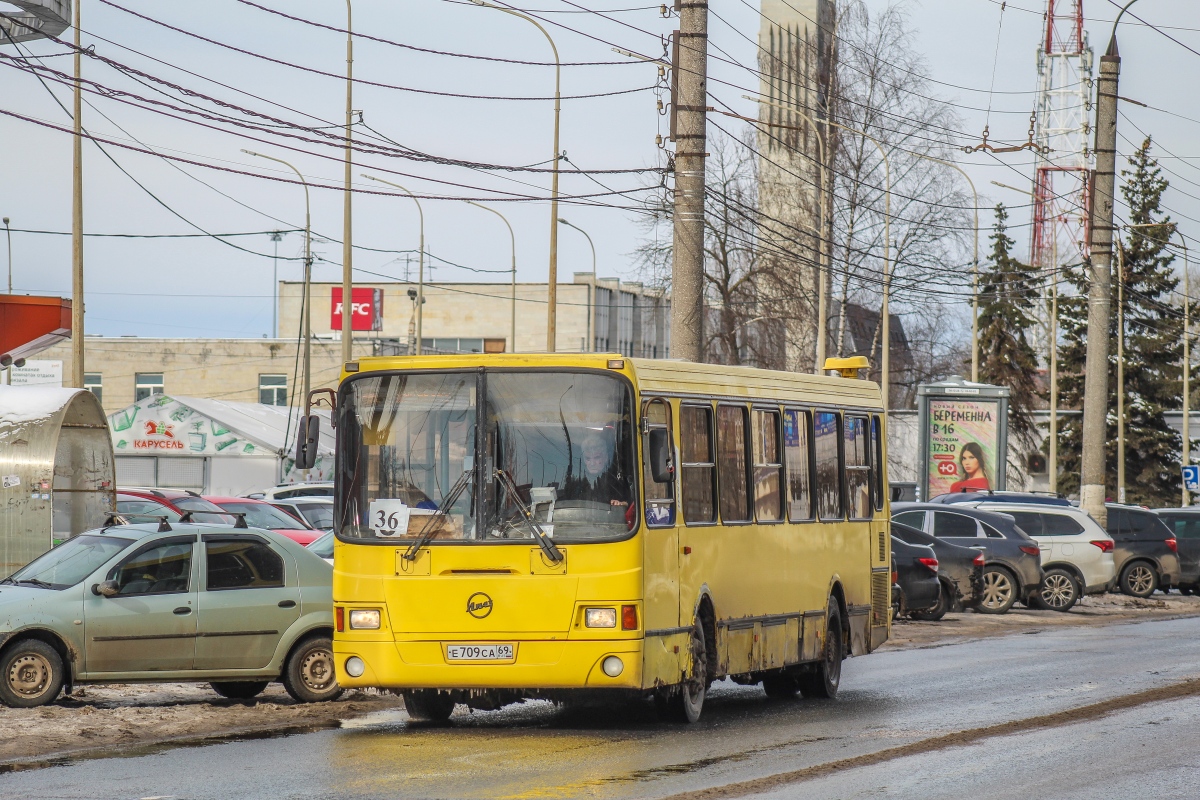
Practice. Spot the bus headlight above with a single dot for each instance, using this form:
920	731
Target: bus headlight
355	667
364	619
613	666
600	617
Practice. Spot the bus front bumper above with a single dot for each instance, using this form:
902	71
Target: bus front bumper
538	664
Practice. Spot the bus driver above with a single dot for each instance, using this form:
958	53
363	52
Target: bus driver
601	481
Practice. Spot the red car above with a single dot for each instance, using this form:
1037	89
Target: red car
169	503
260	514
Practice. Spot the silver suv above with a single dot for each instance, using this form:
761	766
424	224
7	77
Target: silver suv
1077	554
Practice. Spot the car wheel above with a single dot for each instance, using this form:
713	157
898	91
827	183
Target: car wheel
1138	579
308	674
999	591
239	690
428	705
939	610
823	682
1059	591
31	674
686	701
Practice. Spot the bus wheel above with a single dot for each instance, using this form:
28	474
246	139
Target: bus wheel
686	702
823	681
428	705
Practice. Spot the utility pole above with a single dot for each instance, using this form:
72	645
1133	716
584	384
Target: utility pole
347	228
1095	391
276	238
689	107
77	366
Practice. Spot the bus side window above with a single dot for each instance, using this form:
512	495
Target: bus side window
699	469
768	467
858	469
877	465
826	441
799	465
660	497
732	464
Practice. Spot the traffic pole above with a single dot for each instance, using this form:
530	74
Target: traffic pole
687	267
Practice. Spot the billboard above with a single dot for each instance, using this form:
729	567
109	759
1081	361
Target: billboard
964	438
366	309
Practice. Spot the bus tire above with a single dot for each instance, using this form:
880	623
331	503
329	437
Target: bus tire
686	701
823	681
428	705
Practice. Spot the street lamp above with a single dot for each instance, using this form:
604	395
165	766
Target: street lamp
420	261
513	239
8	233
306	306
276	238
552	288
347	228
591	339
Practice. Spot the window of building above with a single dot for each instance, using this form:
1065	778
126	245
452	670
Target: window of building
494	345
146	384
768	467
242	564
799	469
826	436
272	390
93	382
731	464
699	468
858	467
453	345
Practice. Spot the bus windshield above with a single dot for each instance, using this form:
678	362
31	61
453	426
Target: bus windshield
419	455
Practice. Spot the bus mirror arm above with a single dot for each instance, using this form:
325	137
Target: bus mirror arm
658	446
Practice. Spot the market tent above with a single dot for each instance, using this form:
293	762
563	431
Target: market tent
212	446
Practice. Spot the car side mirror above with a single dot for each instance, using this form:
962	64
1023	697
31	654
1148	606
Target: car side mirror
306	441
106	589
658	446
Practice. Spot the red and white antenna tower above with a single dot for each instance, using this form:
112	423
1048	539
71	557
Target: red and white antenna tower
1064	125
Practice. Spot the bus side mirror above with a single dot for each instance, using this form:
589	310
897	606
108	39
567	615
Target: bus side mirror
306	441
658	446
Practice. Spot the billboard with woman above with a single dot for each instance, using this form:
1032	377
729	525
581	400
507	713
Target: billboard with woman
963	438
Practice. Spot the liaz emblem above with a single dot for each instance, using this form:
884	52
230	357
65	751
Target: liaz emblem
479	605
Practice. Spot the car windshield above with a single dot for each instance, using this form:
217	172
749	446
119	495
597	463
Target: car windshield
323	545
262	515
200	504
557	444
70	562
319	515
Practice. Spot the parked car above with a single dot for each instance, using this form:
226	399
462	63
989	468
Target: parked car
1077	554
1185	524
287	491
169	503
237	608
260	514
1043	498
960	571
1012	568
323	547
316	511
915	584
1146	551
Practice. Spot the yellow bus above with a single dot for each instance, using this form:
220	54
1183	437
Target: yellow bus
590	526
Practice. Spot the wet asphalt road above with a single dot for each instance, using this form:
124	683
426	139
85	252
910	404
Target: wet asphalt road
888	700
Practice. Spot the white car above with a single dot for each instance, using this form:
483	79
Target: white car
1077	554
285	491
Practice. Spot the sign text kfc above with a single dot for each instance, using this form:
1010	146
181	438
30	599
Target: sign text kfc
366	313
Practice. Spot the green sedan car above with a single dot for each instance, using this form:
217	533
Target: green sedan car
237	607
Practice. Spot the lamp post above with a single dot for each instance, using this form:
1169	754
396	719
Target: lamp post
347	228
513	239
552	286
591	338
8	234
276	238
306	310
420	261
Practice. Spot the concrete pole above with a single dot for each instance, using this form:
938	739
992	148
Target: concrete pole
1120	372
77	331
513	239
1187	366
8	235
347	227
420	264
1095	393
687	268
1052	466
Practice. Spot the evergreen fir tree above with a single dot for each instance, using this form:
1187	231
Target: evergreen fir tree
1007	298
1153	350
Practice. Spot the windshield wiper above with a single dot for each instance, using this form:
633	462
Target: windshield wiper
35	582
543	540
435	522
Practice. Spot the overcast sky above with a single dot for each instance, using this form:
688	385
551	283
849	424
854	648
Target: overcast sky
200	287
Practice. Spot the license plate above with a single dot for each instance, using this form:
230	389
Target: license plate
479	652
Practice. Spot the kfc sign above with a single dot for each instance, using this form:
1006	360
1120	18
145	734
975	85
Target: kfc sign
366	310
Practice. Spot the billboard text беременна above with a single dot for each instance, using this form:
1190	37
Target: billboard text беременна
963	435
